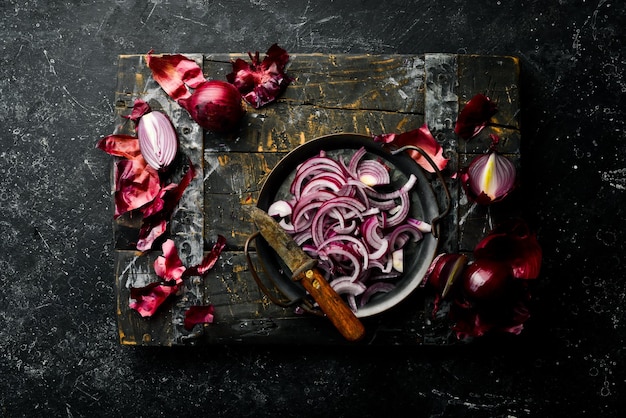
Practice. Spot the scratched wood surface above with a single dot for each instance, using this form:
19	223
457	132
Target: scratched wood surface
367	94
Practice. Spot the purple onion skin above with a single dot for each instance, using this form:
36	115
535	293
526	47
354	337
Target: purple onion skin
216	106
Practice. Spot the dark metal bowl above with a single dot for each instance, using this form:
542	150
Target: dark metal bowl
424	206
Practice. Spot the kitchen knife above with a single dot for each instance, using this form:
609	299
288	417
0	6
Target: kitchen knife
303	270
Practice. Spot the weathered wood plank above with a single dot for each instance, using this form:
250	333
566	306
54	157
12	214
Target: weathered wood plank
232	180
186	227
244	315
441	109
283	126
330	94
392	83
498	78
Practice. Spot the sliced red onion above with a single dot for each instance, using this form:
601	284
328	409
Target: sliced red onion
379	287
395	194
313	168
329	181
357	232
280	208
355	160
397	260
372	173
346	285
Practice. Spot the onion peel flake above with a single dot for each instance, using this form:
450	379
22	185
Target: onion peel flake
474	116
422	138
261	83
161	209
146	300
175	73
136	184
196	315
169	268
209	260
120	145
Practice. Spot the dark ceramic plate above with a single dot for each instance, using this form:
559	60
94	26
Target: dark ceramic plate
424	206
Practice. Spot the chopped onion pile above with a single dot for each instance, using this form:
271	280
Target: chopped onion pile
339	215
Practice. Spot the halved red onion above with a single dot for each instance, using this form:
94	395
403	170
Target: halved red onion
444	272
157	139
489	178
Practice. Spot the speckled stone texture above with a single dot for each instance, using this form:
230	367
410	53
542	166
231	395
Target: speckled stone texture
59	351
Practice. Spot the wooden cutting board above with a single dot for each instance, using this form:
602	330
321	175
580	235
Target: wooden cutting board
367	94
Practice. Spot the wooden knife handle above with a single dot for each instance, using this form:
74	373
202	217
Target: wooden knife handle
332	305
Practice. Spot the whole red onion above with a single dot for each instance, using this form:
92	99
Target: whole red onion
215	105
486	279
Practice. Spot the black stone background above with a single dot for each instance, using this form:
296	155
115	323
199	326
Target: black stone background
59	351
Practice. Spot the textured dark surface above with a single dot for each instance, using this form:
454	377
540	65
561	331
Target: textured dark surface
59	351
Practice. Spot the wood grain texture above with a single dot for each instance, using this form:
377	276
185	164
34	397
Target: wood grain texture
329	94
186	227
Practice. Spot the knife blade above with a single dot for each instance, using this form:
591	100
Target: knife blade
303	269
